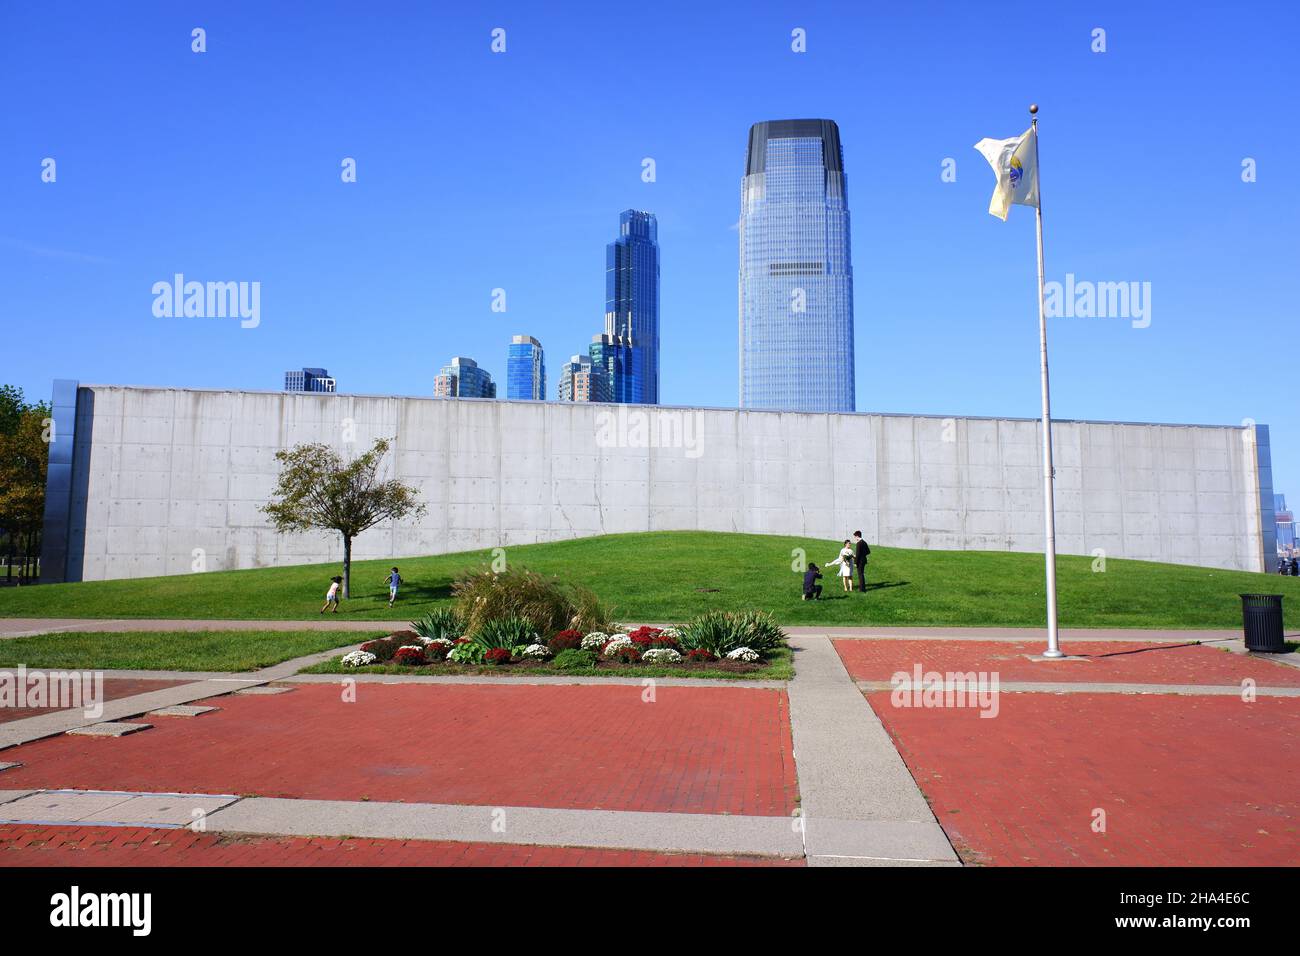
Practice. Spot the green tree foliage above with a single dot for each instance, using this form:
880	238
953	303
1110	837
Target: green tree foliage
24	461
319	491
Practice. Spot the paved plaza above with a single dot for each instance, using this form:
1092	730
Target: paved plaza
1139	748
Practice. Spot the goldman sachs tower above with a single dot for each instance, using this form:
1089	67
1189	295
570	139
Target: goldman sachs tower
796	274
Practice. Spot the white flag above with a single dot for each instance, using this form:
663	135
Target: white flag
1015	162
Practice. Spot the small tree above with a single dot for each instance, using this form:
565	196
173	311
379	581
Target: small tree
318	490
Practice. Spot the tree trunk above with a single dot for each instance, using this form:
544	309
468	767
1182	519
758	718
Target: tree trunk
347	566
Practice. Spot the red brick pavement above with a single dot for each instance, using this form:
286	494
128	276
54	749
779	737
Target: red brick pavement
1117	662
694	750
76	845
115	688
1183	780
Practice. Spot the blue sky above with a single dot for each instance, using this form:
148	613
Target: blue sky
479	171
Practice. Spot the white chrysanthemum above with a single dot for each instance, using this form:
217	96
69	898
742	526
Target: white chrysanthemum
535	651
616	644
442	641
594	641
743	654
661	655
358	659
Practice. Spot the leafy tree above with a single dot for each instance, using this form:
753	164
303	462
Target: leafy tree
24	461
318	490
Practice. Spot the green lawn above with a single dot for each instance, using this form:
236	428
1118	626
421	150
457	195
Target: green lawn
170	650
780	666
670	576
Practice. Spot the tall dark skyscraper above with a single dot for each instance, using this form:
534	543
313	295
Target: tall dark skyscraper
632	306
796	274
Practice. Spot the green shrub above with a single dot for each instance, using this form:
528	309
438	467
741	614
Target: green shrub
504	632
547	605
575	660
721	631
440	622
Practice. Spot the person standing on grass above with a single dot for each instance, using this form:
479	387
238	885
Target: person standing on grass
860	552
394	582
845	561
332	595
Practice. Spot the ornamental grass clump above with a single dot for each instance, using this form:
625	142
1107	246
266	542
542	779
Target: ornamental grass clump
441	622
548	605
720	632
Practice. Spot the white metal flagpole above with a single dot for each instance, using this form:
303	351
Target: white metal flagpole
1049	473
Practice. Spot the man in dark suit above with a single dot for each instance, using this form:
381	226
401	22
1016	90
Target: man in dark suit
860	551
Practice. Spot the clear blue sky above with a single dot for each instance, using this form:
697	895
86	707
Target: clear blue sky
479	171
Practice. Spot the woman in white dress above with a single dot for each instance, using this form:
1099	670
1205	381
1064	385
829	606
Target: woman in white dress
845	561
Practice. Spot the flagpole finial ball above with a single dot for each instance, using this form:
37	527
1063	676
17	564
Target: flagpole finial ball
1033	108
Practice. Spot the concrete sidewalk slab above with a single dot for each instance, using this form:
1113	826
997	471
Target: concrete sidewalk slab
669	832
850	775
109	728
111	808
181	710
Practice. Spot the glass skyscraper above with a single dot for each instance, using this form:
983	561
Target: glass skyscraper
632	306
464	379
526	369
796	275
308	380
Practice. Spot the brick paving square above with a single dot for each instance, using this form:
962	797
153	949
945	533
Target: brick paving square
1182	780
693	750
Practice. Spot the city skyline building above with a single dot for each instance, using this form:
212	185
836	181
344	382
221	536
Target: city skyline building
309	380
612	358
462	378
632	306
526	369
1284	521
796	273
582	381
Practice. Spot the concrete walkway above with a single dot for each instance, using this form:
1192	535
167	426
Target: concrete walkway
860	805
61	721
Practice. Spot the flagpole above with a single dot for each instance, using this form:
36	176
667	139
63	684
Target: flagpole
1049	509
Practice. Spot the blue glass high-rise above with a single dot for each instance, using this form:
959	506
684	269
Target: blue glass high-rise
796	274
526	369
632	306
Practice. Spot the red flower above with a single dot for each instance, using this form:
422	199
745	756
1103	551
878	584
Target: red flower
644	637
628	654
409	655
700	654
565	641
497	655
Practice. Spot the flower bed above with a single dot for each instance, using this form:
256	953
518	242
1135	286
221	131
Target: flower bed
723	645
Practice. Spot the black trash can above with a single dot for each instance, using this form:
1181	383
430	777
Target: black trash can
1261	619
